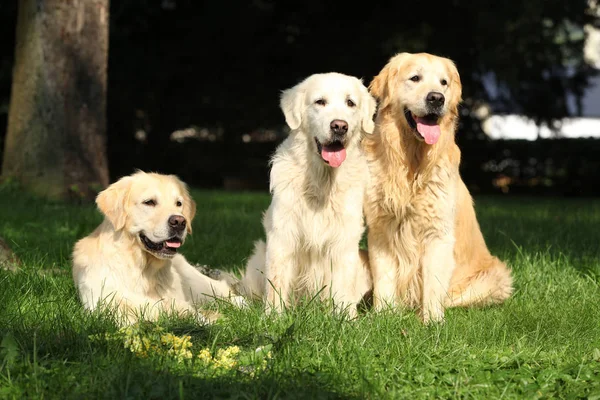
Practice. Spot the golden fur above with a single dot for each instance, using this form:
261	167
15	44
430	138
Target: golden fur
113	267
315	221
425	246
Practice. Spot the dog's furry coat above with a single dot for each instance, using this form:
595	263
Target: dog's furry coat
113	268
315	221
425	246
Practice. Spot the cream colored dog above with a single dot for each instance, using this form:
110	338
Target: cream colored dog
318	178
425	246
130	262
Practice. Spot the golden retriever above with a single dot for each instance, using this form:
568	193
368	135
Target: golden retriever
318	178
425	246
130	261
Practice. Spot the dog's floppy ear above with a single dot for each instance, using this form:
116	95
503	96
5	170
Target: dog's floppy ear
111	201
292	104
382	86
189	209
189	205
455	86
368	110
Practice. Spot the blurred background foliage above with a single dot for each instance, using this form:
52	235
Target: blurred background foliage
194	86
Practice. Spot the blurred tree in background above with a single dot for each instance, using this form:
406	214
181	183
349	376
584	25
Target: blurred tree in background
56	140
220	66
8	19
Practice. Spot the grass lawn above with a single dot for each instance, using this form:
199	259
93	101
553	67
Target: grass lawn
542	343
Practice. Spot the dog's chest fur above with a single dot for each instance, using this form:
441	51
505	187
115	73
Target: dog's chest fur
415	202
141	272
326	203
159	278
410	207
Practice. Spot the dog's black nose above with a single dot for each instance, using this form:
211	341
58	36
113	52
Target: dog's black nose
435	99
339	127
177	222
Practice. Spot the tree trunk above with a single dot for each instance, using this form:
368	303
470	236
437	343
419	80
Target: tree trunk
56	139
8	259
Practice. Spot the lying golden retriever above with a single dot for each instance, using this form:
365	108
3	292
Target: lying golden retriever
318	178
425	246
130	262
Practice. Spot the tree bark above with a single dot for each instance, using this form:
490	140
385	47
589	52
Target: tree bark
56	136
8	259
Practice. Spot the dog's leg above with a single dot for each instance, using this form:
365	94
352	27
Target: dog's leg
199	288
384	271
437	266
346	282
131	307
254	279
279	274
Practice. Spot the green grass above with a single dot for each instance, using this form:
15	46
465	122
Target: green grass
542	343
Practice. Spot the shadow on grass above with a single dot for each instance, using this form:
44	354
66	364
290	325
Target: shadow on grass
163	385
48	350
63	362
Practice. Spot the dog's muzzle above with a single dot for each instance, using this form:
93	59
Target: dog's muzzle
165	249
333	152
425	128
435	102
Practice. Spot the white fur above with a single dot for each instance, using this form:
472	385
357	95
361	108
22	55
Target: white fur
315	221
112	268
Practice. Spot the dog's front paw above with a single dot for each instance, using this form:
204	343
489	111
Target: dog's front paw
350	311
383	303
207	317
432	315
273	308
238	301
208	271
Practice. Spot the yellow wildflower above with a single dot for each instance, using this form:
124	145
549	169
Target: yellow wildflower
226	358
204	356
147	343
178	347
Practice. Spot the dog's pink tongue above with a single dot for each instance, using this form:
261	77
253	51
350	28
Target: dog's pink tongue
335	157
173	244
429	130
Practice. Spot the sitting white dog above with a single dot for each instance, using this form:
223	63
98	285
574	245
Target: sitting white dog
318	178
130	262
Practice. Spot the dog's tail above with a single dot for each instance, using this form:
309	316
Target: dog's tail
492	285
253	279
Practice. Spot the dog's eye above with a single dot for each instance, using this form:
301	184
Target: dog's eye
321	102
178	204
415	78
350	103
149	202
444	82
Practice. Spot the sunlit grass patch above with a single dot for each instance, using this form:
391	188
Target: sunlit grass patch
544	342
